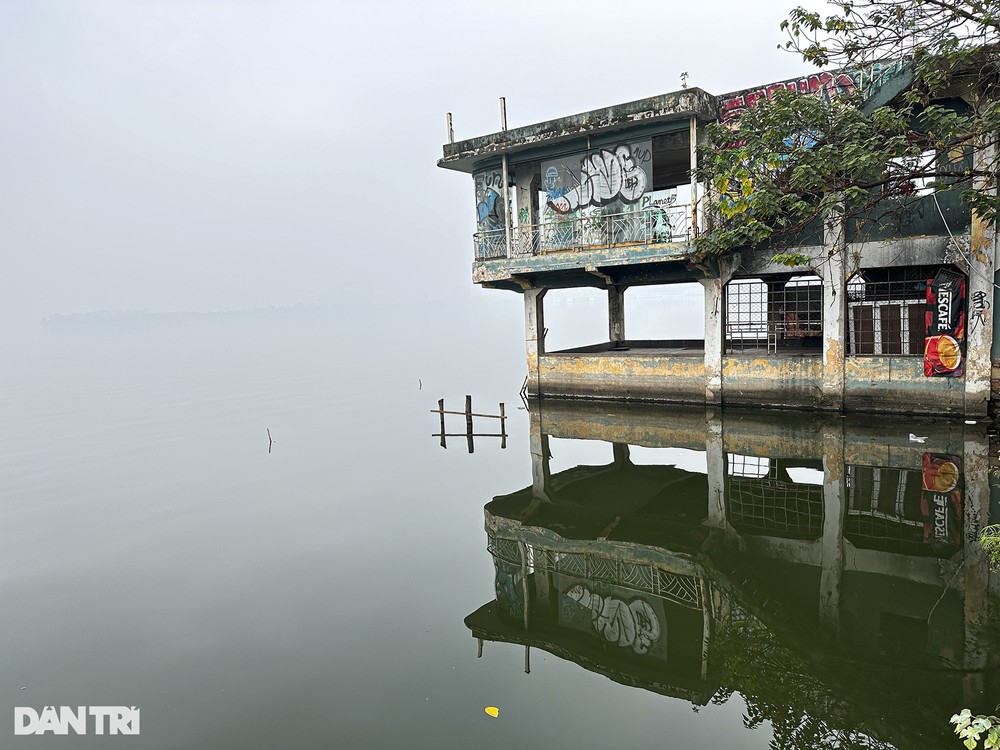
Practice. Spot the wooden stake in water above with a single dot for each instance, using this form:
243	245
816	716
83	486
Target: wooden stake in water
468	423
444	444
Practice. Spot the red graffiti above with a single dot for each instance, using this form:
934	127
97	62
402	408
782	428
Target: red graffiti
822	84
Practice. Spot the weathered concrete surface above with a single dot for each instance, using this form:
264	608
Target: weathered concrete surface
534	327
884	441
773	381
902	251
584	259
464	155
774	434
652	377
651	425
887	383
981	269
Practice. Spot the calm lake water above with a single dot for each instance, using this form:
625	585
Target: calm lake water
615	577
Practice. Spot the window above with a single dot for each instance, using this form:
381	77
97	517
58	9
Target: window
886	310
779	315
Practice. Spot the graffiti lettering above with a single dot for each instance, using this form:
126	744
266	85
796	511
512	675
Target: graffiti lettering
825	84
604	176
828	85
490	214
980	307
642	155
633	625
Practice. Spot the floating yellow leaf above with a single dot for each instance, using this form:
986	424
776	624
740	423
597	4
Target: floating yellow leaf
493	711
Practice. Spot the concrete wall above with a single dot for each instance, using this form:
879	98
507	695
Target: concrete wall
655	377
876	383
871	384
772	381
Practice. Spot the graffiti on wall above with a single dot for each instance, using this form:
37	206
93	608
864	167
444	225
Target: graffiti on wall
620	173
631	624
667	219
867	80
509	586
490	213
980	310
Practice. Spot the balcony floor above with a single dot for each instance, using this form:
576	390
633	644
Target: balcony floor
665	349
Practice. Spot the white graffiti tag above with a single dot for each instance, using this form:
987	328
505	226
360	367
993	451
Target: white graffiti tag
633	625
604	176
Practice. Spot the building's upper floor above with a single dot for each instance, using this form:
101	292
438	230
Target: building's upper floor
613	187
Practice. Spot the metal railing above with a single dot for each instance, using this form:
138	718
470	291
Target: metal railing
648	226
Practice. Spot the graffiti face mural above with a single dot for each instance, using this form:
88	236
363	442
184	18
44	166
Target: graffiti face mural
620	173
490	213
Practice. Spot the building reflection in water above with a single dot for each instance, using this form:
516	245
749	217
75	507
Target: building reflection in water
825	568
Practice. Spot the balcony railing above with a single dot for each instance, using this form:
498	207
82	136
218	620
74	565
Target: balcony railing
648	226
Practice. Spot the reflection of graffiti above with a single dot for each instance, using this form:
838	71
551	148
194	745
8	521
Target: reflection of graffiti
633	625
489	200
828	85
621	173
979	309
509	587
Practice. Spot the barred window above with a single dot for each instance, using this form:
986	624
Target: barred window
886	310
779	315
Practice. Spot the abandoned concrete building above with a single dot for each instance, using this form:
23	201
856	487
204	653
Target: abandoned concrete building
606	199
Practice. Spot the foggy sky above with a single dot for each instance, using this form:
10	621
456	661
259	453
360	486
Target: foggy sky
198	155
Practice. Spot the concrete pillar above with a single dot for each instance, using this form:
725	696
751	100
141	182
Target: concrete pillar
715	334
979	325
616	313
834	516
833	272
526	193
534	333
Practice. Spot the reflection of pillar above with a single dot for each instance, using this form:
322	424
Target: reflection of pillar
706	624
834	309
616	313
539	446
979	341
834	513
715	454
621	453
534	331
977	567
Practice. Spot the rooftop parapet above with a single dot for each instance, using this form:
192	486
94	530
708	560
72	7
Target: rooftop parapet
464	156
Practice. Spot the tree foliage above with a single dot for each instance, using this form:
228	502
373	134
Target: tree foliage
971	729
791	161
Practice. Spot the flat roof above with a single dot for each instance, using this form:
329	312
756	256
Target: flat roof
463	156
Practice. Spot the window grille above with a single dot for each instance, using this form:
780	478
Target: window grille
753	467
759	502
784	314
885	511
886	311
773	507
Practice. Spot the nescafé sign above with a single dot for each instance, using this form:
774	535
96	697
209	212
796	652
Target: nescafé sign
941	500
944	342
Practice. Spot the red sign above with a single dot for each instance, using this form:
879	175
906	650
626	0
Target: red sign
944	342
